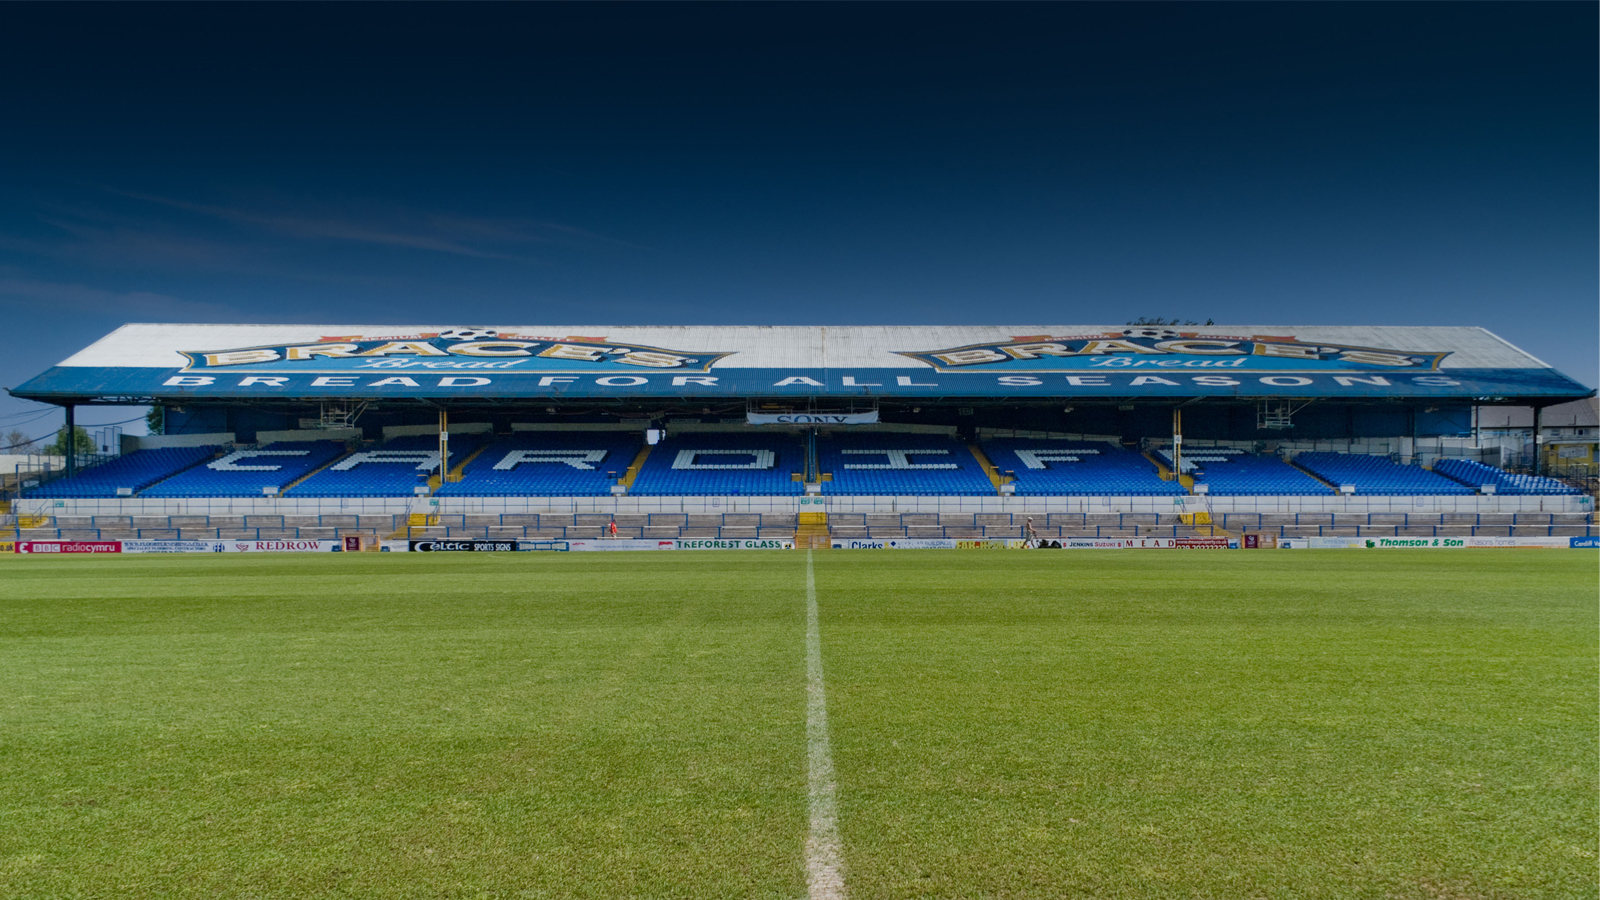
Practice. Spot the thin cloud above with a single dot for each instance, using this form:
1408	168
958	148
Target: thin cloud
90	236
125	304
448	234
523	231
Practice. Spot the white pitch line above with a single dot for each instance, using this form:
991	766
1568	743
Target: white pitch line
824	869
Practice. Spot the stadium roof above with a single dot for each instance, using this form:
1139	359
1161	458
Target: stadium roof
1577	414
142	363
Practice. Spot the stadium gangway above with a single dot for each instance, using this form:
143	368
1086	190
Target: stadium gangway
1300	531
369	521
1234	520
572	532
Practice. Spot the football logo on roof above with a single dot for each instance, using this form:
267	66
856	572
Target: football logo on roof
453	348
1150	348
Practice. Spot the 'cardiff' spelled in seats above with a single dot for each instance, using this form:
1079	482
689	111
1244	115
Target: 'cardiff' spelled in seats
901	465
392	470
1092	468
1228	471
135	471
245	473
710	464
547	464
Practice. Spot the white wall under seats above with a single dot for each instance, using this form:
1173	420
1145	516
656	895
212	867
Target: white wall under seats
791	504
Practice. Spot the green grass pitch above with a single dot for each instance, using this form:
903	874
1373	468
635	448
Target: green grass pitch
1340	724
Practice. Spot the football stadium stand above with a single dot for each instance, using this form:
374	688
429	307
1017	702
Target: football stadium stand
1083	468
394	469
248	472
906	465
130	473
1229	471
1377	475
547	464
710	464
877	432
1476	474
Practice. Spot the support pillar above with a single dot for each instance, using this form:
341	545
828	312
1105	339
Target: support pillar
1538	440
72	442
444	446
1177	445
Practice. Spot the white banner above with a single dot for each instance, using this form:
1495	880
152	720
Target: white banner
1434	543
215	546
175	546
622	544
1120	543
812	418
1183	543
685	544
895	544
282	546
1132	543
1519	542
734	544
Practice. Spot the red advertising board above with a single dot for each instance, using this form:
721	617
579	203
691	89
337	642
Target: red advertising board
69	546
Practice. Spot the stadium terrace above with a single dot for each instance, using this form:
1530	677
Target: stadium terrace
551	432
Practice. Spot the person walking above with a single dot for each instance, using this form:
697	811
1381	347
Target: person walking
1030	534
611	529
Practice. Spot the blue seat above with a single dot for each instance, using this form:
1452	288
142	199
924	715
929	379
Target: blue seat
915	465
721	464
1081	468
1231	472
246	472
394	469
1475	474
547	464
1377	475
136	470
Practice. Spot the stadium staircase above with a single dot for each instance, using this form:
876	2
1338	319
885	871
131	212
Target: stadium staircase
1165	471
414	520
633	468
811	532
454	474
1204	523
989	469
296	483
1331	486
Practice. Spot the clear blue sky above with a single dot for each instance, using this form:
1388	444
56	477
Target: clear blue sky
796	164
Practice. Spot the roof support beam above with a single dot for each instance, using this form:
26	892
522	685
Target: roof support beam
72	441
